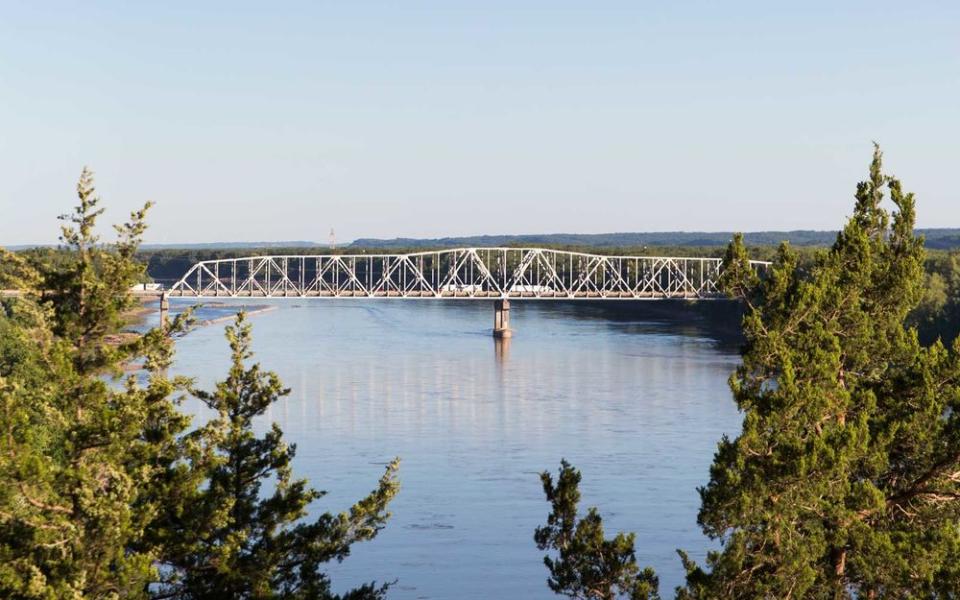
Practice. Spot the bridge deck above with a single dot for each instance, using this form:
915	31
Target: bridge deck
426	295
462	273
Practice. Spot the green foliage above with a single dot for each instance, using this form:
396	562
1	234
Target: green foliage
737	278
844	481
104	491
16	273
234	543
82	458
588	566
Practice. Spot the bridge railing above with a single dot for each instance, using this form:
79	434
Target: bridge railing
456	273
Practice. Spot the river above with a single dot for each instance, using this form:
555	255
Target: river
635	400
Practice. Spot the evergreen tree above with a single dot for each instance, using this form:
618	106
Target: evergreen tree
234	543
845	480
737	277
587	566
85	457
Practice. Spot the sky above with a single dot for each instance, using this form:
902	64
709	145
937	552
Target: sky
279	121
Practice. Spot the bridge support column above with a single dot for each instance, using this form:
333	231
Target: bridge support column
501	318
164	310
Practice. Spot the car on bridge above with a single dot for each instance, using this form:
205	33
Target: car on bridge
147	287
458	288
530	289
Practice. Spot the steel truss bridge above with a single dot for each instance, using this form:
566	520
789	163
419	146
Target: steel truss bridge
468	273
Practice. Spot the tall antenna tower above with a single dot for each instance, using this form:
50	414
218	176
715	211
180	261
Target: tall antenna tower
333	239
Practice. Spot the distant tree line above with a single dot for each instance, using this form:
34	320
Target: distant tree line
939	238
936	316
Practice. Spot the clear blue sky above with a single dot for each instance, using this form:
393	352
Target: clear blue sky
278	121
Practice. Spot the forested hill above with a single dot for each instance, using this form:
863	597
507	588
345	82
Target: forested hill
941	238
936	238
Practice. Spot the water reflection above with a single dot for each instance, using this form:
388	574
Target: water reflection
637	403
501	349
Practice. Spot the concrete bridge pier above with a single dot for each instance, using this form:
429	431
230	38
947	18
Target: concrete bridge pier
501	318
164	310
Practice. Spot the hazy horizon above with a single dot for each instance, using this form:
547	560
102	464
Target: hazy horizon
251	123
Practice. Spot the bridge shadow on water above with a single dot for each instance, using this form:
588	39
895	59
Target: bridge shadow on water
716	320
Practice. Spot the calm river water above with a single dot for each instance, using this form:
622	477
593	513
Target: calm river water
636	403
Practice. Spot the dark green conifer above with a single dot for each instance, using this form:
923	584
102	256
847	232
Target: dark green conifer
233	542
737	277
845	480
85	454
587	565
103	493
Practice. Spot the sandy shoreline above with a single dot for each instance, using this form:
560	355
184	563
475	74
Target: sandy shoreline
138	316
253	310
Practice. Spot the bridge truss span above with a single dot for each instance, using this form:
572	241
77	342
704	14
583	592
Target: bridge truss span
477	273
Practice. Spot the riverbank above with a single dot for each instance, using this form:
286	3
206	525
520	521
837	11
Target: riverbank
250	311
142	318
208	313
